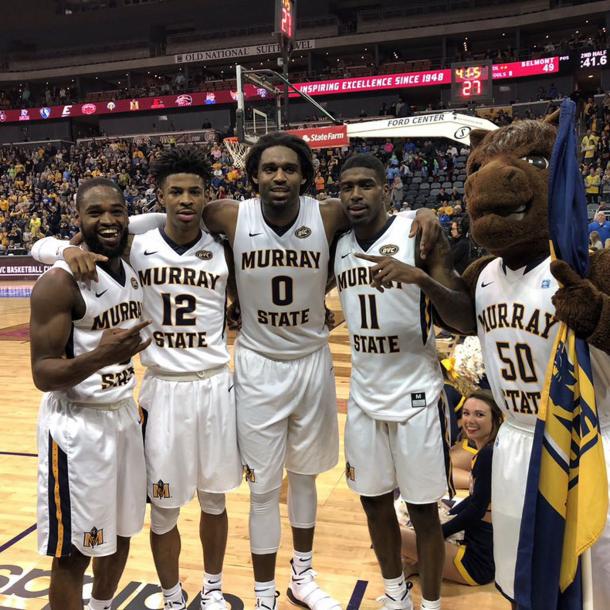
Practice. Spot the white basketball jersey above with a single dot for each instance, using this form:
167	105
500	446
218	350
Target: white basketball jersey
108	304
281	282
185	297
517	327
395	367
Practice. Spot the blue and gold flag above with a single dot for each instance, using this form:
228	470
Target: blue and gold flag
566	498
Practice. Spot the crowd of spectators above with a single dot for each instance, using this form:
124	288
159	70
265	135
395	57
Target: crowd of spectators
595	150
38	185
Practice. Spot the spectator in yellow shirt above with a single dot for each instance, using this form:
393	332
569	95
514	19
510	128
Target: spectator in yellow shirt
588	144
35	223
592	182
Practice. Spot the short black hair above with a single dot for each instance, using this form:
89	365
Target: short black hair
86	185
281	138
181	160
368	161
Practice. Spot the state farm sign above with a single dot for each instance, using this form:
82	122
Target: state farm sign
324	137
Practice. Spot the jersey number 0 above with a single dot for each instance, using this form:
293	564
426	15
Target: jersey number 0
281	290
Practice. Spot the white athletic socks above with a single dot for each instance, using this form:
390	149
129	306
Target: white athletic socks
426	604
397	592
211	582
395	588
301	561
99	604
173	596
265	594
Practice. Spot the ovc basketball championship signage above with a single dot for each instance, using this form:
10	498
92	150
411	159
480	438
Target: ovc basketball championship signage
20	268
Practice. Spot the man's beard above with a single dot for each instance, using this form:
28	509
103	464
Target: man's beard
95	245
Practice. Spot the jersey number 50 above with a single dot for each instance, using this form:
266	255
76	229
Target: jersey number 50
523	358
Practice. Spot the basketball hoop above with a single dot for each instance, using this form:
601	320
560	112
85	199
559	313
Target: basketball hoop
238	151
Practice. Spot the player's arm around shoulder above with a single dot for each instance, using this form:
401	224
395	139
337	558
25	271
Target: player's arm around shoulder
584	303
220	216
82	262
425	224
334	219
55	302
447	291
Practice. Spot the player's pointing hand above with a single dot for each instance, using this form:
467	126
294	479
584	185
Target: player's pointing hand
388	269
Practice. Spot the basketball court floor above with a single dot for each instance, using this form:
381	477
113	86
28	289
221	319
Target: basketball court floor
343	557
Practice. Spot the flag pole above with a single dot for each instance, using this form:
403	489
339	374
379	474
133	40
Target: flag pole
587	581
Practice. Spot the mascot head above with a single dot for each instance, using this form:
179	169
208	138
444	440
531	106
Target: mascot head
507	189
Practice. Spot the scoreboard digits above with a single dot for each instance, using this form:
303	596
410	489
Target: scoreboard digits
285	18
471	81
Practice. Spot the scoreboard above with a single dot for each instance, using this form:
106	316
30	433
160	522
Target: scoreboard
471	81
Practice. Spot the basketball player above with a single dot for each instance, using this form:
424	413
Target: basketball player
396	423
91	475
191	443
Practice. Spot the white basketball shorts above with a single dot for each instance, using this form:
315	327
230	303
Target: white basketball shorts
600	553
190	437
286	416
512	452
412	455
91	476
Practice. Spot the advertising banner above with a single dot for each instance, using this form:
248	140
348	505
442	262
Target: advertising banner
451	125
20	268
342	86
324	137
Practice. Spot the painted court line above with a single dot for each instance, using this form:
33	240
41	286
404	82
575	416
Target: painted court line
357	595
17	538
17	453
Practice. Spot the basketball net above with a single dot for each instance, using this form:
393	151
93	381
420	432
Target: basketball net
238	151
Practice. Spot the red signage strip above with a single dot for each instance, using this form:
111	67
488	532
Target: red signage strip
324	137
531	67
375	83
430	78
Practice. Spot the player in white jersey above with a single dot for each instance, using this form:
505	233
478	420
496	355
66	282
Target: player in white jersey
396	429
286	406
187	392
91	477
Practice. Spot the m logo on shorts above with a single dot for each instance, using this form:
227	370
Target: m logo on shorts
161	489
350	472
249	474
418	399
93	538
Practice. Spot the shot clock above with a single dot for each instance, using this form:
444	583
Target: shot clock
471	82
286	19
